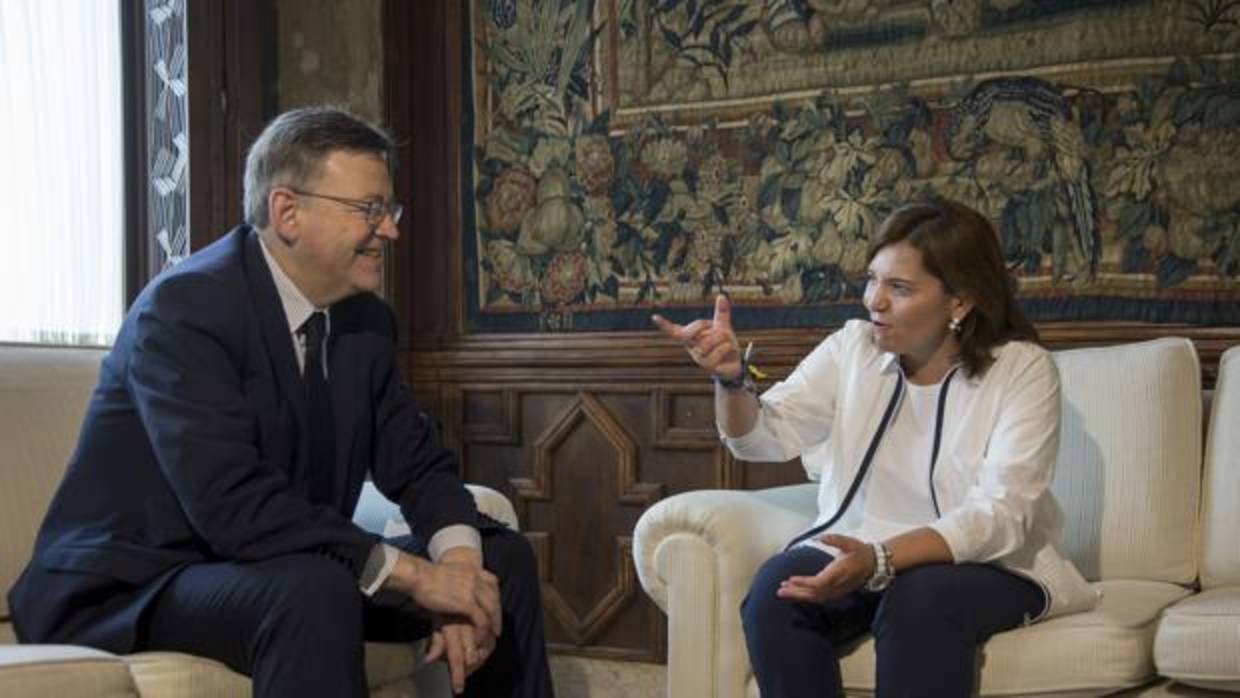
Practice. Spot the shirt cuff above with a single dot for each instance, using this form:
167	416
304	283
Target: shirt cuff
953	534
454	536
378	567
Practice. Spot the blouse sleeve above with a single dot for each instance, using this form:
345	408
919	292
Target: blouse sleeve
998	509
795	413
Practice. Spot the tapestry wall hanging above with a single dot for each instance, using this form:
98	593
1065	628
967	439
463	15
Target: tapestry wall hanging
628	155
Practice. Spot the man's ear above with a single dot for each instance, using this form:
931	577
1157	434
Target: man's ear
282	210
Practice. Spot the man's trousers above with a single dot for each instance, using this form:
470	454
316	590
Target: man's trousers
297	623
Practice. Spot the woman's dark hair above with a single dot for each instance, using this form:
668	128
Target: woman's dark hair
959	247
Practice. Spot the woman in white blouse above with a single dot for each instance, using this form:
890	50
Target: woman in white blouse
934	426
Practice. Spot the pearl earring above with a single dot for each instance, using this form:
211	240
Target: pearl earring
954	325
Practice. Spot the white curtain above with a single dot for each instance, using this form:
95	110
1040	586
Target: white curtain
61	169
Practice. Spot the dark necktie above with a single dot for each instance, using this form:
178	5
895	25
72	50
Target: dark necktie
321	424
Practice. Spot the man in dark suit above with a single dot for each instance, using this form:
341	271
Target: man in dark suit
206	508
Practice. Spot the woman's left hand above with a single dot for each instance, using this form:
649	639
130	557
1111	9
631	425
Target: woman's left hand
846	573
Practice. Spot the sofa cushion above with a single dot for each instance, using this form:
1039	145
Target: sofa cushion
1106	648
387	662
1198	640
43	393
1129	465
58	671
1220	513
382	516
177	674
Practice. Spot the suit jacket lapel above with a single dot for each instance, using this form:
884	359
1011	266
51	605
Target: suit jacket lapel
275	330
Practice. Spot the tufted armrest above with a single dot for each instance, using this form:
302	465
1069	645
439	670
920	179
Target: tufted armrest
378	514
695	555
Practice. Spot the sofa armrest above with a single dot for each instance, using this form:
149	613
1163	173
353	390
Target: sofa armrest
695	554
494	505
378	514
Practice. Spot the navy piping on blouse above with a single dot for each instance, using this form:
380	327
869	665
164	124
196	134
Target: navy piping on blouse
938	436
873	448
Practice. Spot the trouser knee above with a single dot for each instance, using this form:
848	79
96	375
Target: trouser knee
509	555
318	598
913	605
763	613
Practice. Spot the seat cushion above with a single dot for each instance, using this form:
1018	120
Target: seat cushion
1082	654
177	674
59	671
1198	640
168	674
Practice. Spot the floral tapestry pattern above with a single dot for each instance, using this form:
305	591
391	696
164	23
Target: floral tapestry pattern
627	155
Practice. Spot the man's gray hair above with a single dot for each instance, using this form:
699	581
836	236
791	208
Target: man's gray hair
292	148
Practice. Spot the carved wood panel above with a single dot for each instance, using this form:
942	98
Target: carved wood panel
580	464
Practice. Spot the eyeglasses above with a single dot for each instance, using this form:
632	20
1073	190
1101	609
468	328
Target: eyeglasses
375	211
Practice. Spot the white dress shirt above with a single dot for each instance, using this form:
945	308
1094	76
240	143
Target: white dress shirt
297	309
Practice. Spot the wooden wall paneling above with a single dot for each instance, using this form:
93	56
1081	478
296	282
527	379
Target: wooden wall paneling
398	60
683	418
580	471
573	599
231	67
422	100
646	357
491	416
581	462
581	500
139	239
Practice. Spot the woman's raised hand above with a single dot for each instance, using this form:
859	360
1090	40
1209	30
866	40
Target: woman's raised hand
711	343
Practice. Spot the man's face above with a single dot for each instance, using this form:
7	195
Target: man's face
335	252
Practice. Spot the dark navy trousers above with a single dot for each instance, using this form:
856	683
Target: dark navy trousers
297	623
927	627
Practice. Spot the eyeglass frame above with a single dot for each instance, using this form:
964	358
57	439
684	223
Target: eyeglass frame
375	211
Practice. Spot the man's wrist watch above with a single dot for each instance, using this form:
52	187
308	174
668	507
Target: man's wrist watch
883	570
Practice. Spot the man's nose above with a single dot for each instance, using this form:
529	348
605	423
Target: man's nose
387	229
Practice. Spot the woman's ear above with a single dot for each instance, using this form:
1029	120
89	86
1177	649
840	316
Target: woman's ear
962	305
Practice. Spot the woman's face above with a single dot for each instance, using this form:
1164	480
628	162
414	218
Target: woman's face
910	308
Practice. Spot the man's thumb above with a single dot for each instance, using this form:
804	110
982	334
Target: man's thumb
723	310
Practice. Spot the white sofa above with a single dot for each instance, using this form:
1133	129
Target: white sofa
1129	481
1198	639
43	393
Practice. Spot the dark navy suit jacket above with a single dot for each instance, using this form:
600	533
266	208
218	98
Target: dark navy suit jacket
194	449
